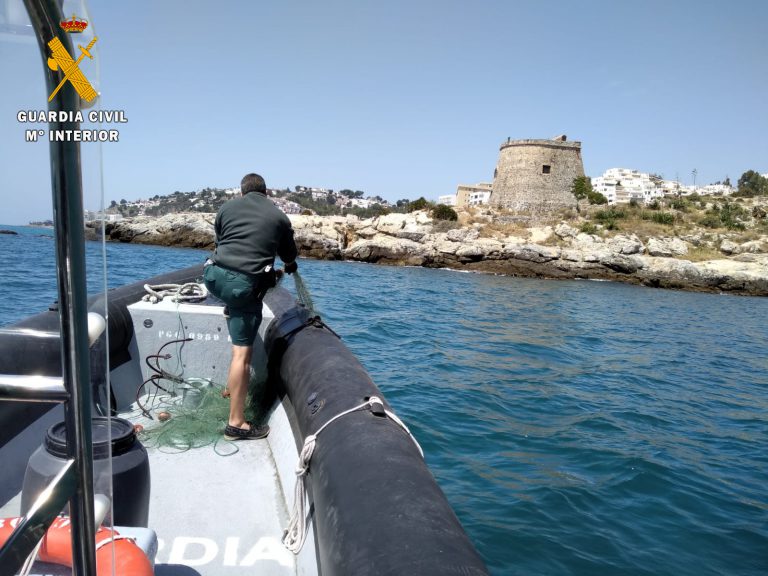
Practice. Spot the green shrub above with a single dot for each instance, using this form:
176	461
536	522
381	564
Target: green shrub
728	215
679	204
597	198
443	212
663	217
588	228
419	204
654	205
610	214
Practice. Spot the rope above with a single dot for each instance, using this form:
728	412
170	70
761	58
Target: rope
180	292
294	536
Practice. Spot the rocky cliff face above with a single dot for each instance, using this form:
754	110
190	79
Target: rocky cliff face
559	252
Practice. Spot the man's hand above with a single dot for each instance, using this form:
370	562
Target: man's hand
291	268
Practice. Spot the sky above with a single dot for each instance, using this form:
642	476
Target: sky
398	99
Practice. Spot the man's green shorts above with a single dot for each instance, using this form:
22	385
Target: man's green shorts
239	292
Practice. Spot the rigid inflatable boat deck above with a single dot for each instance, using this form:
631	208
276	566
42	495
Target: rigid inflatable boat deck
211	514
218	514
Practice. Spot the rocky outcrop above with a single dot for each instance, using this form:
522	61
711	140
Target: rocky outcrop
559	252
187	230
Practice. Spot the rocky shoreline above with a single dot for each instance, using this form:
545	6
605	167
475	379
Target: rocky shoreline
560	251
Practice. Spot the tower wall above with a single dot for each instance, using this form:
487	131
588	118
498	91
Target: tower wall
536	176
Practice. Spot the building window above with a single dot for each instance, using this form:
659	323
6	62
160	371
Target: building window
546	169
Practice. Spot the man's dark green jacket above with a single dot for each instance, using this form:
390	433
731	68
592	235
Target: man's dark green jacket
250	231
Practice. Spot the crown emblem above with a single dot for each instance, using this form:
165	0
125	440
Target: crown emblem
74	25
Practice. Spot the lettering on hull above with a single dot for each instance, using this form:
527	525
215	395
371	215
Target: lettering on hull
197	551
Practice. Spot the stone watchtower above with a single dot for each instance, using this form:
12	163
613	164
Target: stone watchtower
535	176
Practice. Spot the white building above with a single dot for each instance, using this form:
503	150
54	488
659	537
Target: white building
715	190
361	202
479	197
447	199
622	185
605	186
473	194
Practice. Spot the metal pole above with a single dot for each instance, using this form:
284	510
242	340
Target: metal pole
67	190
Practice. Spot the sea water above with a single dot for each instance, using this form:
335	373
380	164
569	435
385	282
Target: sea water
576	427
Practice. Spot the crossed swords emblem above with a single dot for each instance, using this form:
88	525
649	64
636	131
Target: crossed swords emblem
60	59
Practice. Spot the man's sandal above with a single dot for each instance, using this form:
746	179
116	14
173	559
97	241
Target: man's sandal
252	433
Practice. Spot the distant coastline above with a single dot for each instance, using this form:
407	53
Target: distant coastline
579	247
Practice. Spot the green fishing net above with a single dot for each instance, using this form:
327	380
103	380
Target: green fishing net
184	414
193	414
302	293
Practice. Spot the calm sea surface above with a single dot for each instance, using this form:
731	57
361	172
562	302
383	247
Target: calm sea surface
576	427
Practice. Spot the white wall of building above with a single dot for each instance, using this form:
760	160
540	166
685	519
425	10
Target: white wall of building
622	185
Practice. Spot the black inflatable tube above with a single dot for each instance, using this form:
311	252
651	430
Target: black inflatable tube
377	509
24	352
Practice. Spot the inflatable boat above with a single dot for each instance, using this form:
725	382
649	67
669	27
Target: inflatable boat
365	499
90	388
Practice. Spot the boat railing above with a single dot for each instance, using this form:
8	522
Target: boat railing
74	483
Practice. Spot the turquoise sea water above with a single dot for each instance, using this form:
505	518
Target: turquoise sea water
576	427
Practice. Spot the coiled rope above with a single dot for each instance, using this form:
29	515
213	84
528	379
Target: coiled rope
191	291
294	536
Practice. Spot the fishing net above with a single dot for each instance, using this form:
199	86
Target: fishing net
302	293
192	414
181	414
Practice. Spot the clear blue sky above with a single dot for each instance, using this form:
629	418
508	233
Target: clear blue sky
406	99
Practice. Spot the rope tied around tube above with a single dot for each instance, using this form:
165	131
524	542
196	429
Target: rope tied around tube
296	533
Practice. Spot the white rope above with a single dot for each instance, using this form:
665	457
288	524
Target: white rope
112	538
26	569
180	292
294	536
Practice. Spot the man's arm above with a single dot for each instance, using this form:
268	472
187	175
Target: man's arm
287	249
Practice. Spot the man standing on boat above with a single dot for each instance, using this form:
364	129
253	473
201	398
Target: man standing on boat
250	232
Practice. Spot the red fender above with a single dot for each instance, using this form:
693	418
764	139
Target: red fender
129	559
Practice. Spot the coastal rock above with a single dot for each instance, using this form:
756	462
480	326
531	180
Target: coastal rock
10	232
753	247
411	239
388	250
729	247
539	235
588	239
625	244
667	247
462	234
564	231
390	223
532	252
181	229
621	263
316	245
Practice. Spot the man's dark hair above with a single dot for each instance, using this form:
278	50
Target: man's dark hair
252	183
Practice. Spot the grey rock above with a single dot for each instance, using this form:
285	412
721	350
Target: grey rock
564	231
729	247
667	247
626	244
